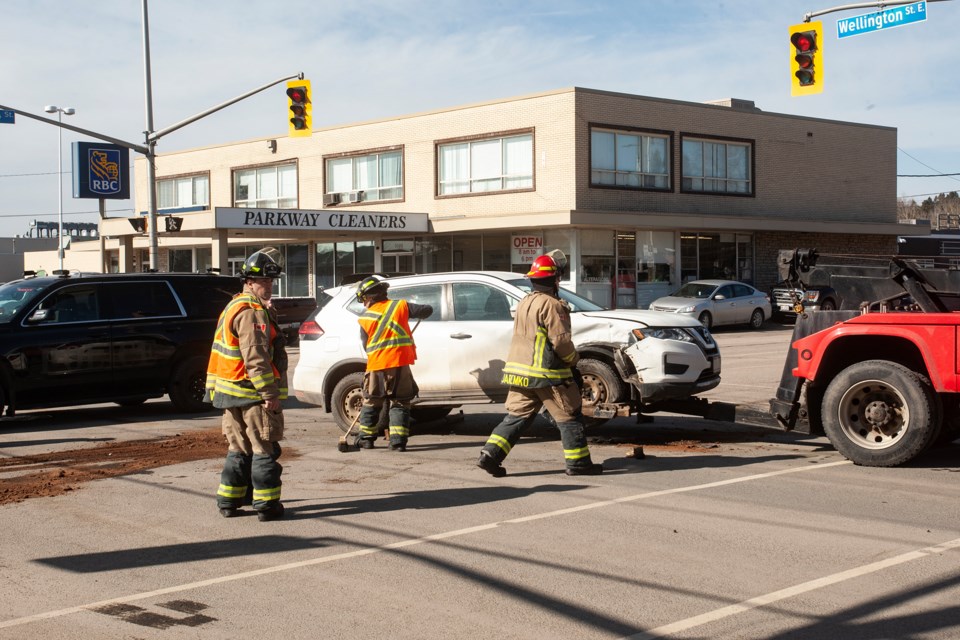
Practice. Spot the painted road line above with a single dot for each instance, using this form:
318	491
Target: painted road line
136	597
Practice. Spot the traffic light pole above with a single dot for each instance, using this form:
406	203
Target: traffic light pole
862	5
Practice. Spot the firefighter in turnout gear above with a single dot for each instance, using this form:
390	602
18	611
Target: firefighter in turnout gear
247	378
540	373
386	337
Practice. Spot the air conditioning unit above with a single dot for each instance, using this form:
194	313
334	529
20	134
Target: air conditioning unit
331	199
355	196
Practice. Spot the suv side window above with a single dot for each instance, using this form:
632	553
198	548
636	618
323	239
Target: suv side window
422	294
142	300
430	294
475	301
72	304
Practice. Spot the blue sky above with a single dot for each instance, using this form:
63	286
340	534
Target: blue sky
370	59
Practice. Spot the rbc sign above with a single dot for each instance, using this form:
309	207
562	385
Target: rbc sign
101	170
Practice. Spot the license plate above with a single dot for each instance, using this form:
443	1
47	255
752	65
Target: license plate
786	307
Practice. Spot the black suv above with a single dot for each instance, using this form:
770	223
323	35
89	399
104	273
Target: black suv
123	337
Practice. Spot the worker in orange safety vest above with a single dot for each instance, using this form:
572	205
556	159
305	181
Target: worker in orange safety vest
388	341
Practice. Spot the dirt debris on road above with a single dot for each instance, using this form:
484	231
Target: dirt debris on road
59	472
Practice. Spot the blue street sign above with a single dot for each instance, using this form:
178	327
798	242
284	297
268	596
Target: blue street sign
7	117
886	19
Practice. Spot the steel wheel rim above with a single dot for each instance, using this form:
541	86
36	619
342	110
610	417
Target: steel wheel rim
873	414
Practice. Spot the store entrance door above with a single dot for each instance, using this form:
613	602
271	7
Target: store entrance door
397	263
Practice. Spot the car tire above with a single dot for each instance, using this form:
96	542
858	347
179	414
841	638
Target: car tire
879	413
828	305
187	385
756	319
705	319
601	385
346	400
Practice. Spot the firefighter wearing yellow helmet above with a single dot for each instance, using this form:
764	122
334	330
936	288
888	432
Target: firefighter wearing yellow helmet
540	373
388	341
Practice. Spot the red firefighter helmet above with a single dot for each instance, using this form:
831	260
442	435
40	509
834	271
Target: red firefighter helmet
544	267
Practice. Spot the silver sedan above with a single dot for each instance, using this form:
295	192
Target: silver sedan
716	302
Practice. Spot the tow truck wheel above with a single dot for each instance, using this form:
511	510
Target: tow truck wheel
880	414
601	384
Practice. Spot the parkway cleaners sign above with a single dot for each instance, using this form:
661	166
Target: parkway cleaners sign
308	220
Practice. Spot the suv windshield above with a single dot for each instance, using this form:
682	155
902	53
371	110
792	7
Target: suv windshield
576	302
14	296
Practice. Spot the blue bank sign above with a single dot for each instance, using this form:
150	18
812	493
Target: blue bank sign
101	170
886	19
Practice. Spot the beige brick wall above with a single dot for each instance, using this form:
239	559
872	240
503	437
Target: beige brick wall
806	169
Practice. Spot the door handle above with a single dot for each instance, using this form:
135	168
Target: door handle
460	336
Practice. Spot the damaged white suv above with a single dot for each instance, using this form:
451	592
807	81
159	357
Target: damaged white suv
631	360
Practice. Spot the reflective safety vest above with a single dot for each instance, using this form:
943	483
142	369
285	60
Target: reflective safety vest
228	382
389	339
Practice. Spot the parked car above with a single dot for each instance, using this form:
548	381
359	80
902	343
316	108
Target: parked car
717	302
124	338
628	357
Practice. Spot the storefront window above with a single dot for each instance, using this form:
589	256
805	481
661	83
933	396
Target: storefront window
294	281
181	260
496	252
467	253
324	264
597	254
204	259
726	256
433	255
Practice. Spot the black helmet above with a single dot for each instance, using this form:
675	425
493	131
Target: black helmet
266	263
372	285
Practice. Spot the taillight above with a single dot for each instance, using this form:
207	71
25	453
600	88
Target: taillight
310	330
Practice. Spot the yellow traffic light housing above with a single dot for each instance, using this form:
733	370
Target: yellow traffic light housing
806	58
300	108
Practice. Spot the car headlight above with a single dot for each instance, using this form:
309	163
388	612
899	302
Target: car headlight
662	333
687	309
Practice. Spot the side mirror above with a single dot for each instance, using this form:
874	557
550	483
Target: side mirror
719	296
40	315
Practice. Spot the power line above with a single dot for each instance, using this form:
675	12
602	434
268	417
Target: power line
926	175
937	175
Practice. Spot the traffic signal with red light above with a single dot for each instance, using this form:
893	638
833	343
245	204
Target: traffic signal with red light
301	108
806	58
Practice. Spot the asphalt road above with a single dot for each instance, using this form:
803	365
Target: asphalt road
720	531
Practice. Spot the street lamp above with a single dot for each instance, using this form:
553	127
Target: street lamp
69	111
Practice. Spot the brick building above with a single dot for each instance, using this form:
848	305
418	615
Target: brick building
642	193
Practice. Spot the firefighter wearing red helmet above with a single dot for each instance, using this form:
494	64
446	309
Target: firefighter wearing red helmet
540	372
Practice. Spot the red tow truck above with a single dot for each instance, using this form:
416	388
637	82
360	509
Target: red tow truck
881	379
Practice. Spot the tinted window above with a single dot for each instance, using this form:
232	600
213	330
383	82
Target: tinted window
206	298
141	300
742	290
71	304
726	291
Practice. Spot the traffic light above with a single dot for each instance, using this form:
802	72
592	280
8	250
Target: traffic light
173	224
301	108
806	58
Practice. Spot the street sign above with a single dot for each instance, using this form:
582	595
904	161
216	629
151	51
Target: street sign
7	117
886	19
